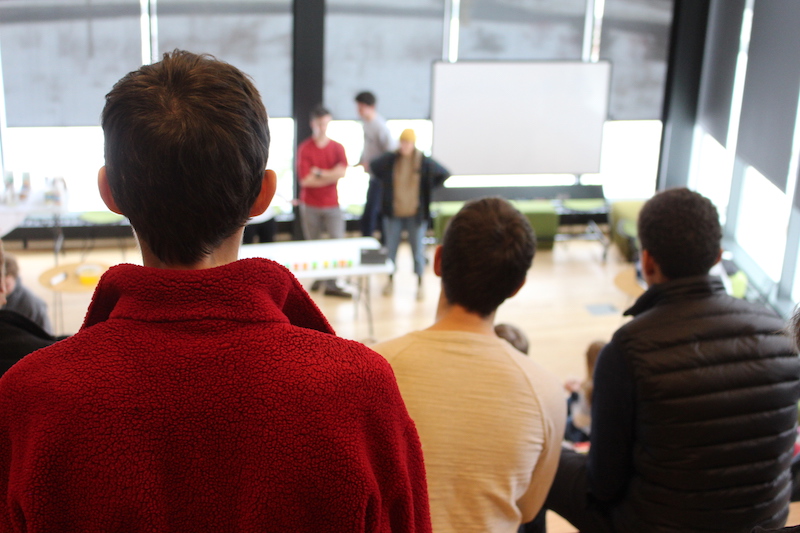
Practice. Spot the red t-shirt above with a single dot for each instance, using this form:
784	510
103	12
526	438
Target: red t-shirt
310	155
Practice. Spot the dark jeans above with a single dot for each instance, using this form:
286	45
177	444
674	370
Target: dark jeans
371	219
569	497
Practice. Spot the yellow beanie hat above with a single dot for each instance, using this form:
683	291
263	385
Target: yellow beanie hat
408	135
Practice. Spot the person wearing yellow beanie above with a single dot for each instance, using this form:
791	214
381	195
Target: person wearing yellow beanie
408	177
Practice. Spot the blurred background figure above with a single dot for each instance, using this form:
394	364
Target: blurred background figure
407	176
377	141
19	336
579	404
22	300
513	335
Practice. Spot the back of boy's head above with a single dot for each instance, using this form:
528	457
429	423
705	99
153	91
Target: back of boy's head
487	250
680	229
186	147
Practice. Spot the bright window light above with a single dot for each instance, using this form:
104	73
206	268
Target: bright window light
628	166
76	154
629	158
763	222
712	178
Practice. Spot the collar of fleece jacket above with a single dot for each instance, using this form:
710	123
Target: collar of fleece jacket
248	290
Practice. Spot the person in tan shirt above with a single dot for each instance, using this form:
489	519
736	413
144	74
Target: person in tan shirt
490	419
408	177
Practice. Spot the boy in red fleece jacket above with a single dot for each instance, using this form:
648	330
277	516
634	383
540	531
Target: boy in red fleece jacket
202	393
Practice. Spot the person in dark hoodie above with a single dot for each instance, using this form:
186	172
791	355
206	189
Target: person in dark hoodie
408	177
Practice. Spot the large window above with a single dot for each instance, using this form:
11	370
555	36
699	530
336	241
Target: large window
253	35
60	57
521	29
384	46
763	221
635	38
712	175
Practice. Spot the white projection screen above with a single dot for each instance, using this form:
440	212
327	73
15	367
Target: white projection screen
515	117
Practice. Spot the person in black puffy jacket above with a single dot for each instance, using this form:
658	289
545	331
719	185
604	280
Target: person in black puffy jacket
695	400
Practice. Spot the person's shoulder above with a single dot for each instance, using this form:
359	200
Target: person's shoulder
378	120
394	347
541	378
335	145
341	356
306	144
385	158
44	363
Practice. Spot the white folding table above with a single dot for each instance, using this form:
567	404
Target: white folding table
326	259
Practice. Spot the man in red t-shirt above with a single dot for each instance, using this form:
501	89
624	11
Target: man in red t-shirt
321	161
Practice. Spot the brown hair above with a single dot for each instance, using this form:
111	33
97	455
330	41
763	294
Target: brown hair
681	230
186	147
487	250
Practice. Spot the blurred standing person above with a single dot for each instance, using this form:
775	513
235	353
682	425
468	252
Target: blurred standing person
407	177
321	162
377	141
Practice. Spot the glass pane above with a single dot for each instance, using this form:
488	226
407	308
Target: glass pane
73	153
383	46
61	57
796	287
635	38
712	177
629	160
281	160
763	222
253	35
521	29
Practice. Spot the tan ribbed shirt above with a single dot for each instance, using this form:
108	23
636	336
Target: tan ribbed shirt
405	183
491	422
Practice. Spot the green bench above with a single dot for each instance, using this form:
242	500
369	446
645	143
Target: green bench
541	214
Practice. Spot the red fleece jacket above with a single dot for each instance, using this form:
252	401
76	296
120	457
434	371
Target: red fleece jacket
210	400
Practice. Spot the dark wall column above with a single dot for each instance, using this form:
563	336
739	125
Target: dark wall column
307	73
687	43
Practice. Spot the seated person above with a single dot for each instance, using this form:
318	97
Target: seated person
18	335
490	419
22	300
202	393
579	404
694	405
513	335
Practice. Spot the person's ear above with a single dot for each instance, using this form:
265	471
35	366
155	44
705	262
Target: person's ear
437	261
268	186
648	263
105	191
651	270
719	257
